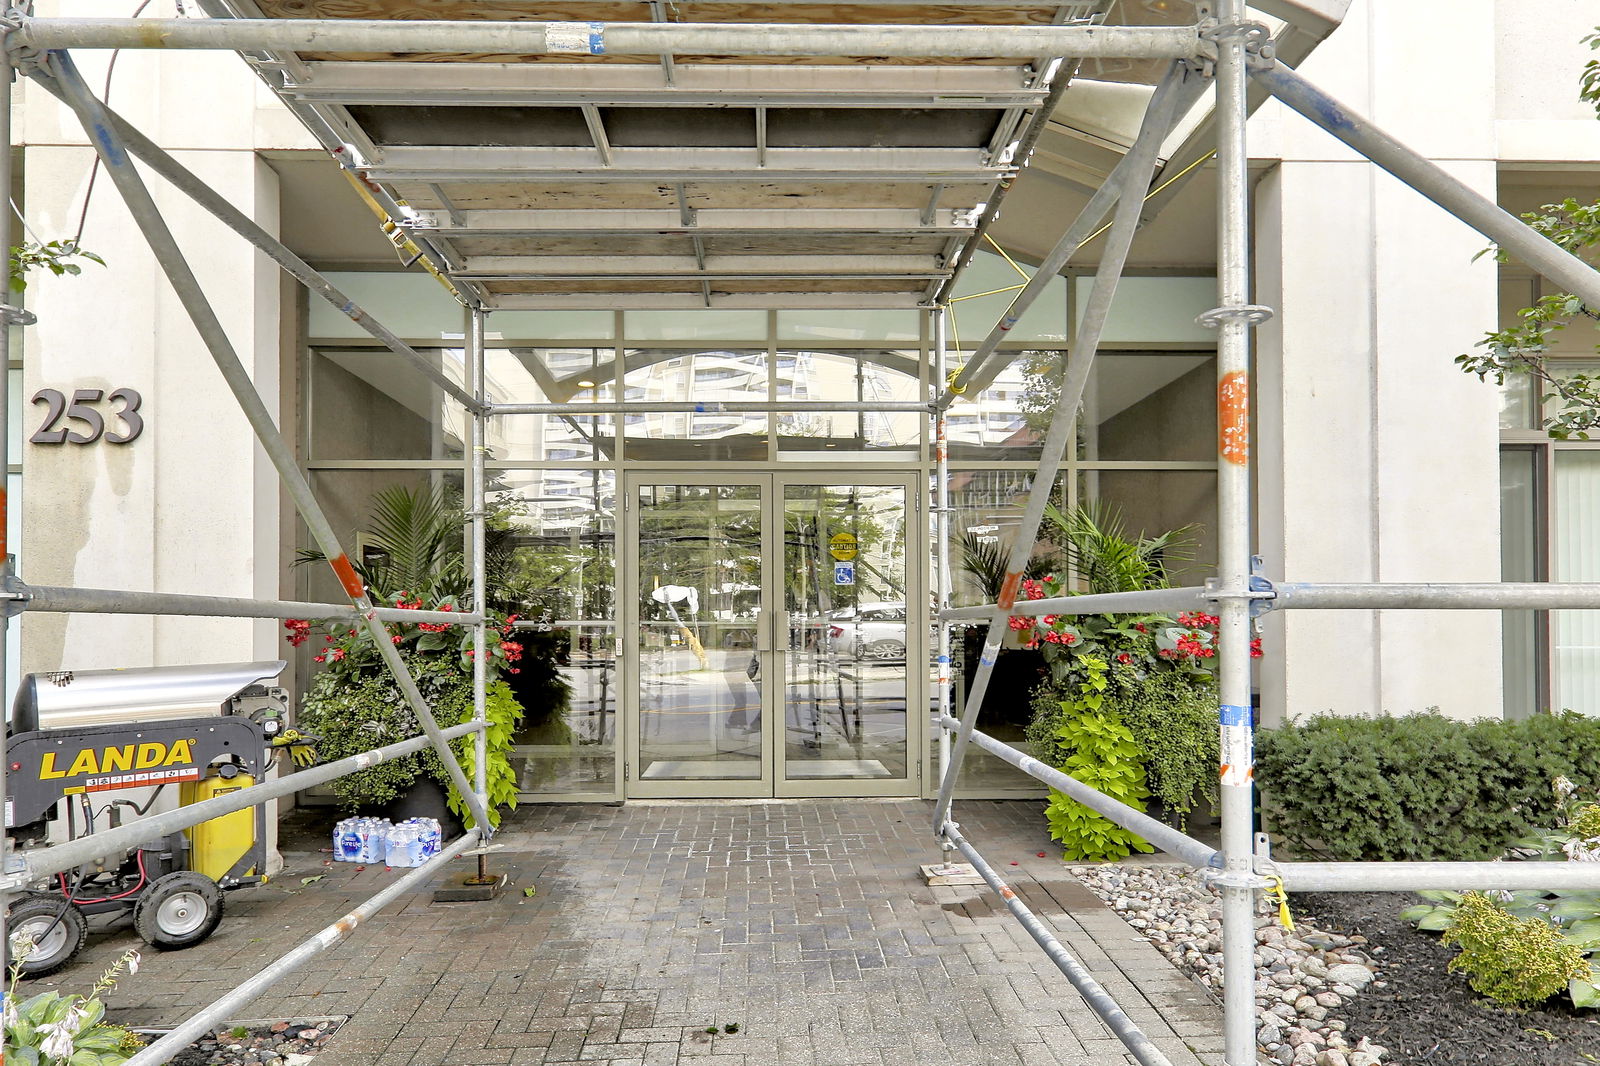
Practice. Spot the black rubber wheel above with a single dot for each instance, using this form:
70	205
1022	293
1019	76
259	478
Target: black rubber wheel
178	910
34	916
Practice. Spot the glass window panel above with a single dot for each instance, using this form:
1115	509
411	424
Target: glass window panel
555	554
1009	418
1151	407
550	325
1577	558
347	498
1151	502
886	326
412	305
558	551
845	685
374	405
699	596
1519	561
1155	310
369	404
705	377
695	326
987	510
856	376
1519	403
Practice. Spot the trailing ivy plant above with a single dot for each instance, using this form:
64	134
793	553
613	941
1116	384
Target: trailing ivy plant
1103	755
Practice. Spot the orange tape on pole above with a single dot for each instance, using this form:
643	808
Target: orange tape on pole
1008	591
348	577
1233	418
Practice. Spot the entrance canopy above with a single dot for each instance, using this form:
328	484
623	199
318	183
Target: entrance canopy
576	179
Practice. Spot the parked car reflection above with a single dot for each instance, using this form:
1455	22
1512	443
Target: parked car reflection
870	631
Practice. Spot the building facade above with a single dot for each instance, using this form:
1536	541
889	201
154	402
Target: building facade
1379	460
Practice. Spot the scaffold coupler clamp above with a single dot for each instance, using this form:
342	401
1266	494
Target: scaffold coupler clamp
14	592
12	315
1260	594
1252	314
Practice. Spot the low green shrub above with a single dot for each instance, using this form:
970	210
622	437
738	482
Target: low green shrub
1514	961
1419	787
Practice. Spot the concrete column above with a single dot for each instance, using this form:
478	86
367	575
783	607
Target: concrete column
1378	454
186	507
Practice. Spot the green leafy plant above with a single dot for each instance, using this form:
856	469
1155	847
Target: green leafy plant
1514	961
1573	914
1420	787
357	711
985	559
1102	754
1172	717
54	256
53	1028
1522	348
1100	550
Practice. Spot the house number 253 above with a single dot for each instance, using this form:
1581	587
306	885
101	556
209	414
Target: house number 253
60	412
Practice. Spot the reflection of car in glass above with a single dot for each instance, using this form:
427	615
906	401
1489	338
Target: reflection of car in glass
870	631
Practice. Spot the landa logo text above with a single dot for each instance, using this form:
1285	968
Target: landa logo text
123	758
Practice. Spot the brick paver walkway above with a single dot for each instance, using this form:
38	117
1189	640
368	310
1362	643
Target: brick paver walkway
805	922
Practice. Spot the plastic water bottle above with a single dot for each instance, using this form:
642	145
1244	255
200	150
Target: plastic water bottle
430	836
403	845
373	834
347	841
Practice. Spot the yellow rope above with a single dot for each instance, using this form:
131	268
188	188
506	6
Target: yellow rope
1151	193
991	292
1023	274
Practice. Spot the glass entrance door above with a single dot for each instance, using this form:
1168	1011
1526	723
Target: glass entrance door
773	653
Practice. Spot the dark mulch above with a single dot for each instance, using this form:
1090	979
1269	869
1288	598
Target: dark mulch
1427	1014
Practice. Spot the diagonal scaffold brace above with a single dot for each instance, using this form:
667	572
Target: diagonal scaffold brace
114	156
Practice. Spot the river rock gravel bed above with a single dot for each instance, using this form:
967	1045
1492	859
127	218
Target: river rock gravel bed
285	1042
1309	974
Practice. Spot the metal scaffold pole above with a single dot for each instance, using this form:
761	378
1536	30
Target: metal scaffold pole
1157	120
477	447
941	527
119	167
10	314
1234	317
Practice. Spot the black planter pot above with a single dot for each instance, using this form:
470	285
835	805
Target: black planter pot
426	799
1017	672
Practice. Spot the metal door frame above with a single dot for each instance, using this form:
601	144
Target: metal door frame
771	640
918	624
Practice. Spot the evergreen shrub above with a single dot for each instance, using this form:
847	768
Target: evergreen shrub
1419	787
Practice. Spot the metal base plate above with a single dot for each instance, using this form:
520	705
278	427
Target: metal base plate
950	873
462	891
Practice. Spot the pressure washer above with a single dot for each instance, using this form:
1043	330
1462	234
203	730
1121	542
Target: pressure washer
79	741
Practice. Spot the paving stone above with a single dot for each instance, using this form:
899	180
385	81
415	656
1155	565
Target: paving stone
804	922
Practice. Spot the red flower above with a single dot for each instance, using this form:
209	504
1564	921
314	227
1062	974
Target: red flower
337	654
320	658
1124	658
396	639
1140	627
1020	622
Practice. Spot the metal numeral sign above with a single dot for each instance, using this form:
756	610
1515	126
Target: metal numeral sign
60	412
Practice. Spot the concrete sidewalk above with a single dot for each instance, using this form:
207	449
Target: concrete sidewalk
804	922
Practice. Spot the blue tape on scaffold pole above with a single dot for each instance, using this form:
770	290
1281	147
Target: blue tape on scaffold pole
1234	715
941	658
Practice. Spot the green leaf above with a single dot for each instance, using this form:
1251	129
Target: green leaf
1439	896
1584	993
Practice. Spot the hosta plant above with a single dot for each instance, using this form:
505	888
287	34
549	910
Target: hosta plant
1527	946
50	1029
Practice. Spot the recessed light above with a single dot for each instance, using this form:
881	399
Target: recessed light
585	384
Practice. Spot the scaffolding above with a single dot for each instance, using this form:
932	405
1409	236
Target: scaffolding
1227	51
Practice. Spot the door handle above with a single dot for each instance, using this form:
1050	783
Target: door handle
763	634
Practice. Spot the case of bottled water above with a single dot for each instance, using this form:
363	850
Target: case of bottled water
431	835
347	841
403	845
375	832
